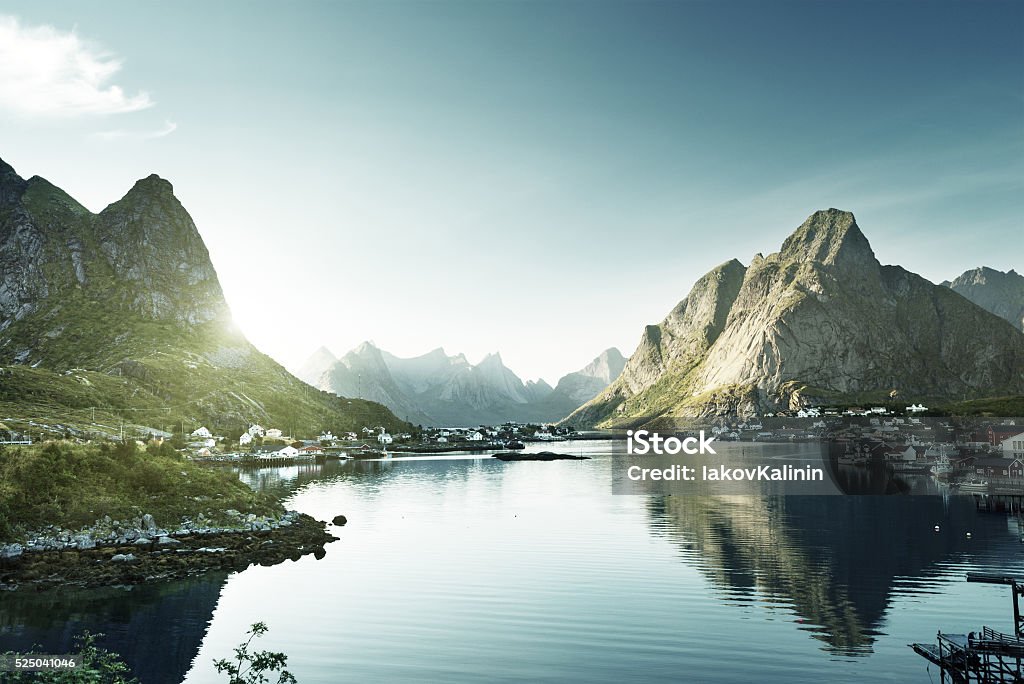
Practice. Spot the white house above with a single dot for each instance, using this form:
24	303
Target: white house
274	433
475	436
209	443
897	454
246	438
1013	447
256	430
326	436
284	452
385	438
202	433
917	408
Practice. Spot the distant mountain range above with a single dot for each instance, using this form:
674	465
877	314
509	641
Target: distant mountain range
820	321
438	389
119	317
997	292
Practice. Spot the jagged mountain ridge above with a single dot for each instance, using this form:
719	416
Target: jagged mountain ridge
821	320
997	292
316	365
437	389
130	293
584	384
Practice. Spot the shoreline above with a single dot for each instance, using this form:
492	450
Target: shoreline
175	555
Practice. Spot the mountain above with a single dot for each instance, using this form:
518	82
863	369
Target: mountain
586	383
820	321
437	389
997	292
364	373
119	317
316	365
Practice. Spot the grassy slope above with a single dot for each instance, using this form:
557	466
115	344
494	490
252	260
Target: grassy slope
142	370
73	485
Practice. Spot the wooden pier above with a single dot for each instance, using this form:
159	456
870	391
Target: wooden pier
986	657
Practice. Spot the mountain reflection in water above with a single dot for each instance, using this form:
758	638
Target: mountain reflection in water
833	560
472	570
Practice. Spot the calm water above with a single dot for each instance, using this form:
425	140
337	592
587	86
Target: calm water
470	569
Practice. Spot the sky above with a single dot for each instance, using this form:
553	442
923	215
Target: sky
541	179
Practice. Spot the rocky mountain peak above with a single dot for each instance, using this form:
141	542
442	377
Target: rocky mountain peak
829	236
366	348
151	185
12	186
820	321
492	359
606	367
141	258
995	291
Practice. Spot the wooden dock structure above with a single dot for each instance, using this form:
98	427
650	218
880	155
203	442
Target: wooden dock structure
986	657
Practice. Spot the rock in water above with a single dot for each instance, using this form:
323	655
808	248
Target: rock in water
339	520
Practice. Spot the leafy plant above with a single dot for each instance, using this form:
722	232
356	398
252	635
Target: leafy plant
250	667
98	666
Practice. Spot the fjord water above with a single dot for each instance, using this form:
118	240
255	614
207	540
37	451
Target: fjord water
468	569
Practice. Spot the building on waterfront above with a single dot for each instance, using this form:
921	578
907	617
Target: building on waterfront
998	433
1013	446
998	467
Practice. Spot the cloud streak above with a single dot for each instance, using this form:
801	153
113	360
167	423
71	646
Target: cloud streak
45	72
123	134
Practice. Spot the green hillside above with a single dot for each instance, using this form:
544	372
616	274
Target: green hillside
116	320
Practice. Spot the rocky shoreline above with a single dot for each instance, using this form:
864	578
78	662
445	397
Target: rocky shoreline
115	552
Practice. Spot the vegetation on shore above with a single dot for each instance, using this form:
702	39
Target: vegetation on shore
992	407
73	485
99	665
251	667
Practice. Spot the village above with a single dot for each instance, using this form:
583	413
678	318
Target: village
270	445
974	455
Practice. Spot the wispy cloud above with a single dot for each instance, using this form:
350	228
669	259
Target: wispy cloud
48	72
123	134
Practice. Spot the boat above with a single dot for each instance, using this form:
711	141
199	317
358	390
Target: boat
910	467
540	456
942	467
364	454
974	487
853	458
514	444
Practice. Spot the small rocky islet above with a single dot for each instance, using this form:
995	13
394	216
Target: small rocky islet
114	552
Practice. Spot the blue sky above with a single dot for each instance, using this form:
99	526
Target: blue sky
541	179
